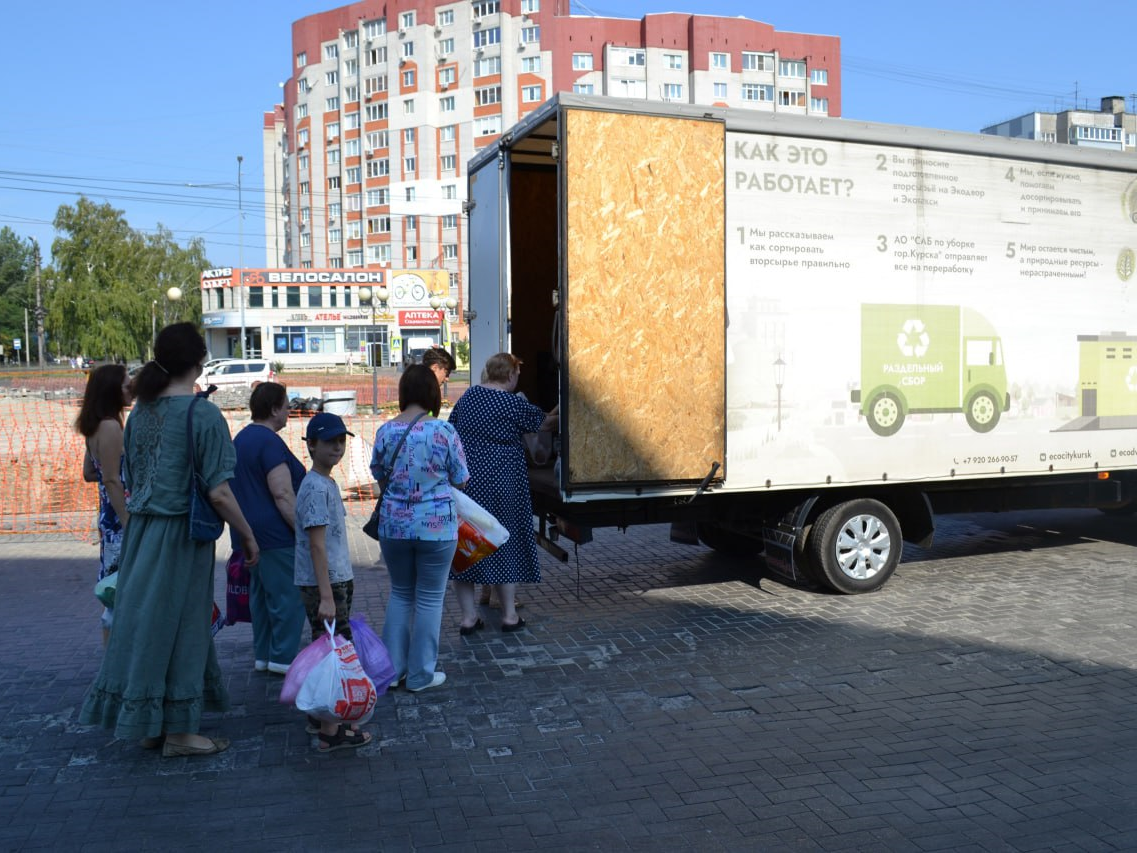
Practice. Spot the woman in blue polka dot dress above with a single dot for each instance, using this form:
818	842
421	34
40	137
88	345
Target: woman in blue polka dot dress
490	419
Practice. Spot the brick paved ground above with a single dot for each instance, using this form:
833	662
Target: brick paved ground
664	697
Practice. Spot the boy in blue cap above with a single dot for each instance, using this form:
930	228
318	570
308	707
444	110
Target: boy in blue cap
323	566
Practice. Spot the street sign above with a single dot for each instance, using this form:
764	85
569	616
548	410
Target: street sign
16	342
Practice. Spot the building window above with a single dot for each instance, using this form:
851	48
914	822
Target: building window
583	88
350	38
487	66
376	139
334	182
791	68
382	168
446	133
446	18
408	49
406	20
674	61
256	297
351	148
374	29
304	188
351	120
331	104
302	86
531	65
629	57
757	61
720	61
353	175
332	78
409	136
302	162
673	92
411	222
791	99
333	211
305	242
530	35
487	126
377	198
412	254
528	7
446	46
409	107
334	157
449	251
409	194
376	112
449	191
331	51
333	130
379	225
301	59
819	77
409	166
305	215
375	84
408	79
354	229
486	37
582	62
449	221
301	111
377	56
447	162
355	258
819	105
447	75
334	235
485	7
720	90
755	92
530	94
446	104
488	95
379	254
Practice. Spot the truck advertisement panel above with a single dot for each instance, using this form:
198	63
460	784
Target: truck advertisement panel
904	314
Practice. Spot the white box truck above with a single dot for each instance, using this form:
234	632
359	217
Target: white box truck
808	336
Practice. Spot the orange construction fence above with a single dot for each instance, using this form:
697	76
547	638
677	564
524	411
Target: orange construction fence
41	456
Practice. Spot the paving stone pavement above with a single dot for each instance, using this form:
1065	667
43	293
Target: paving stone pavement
662	697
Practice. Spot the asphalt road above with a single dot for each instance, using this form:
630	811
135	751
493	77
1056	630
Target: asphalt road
663	697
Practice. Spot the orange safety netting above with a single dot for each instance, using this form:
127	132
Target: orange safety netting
41	456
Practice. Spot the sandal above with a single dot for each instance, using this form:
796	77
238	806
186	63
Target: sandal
312	725
344	738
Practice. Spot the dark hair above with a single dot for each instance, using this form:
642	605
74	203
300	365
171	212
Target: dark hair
419	386
439	356
102	398
266	397
178	350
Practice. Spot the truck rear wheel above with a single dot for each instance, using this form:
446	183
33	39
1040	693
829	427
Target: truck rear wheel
856	545
885	414
982	412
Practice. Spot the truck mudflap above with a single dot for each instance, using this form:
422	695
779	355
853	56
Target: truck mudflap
781	544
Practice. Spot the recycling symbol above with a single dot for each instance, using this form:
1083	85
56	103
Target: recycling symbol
913	339
1131	378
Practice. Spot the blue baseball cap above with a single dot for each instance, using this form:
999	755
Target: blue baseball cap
326	426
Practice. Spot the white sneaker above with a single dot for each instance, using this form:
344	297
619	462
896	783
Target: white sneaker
278	668
439	678
260	665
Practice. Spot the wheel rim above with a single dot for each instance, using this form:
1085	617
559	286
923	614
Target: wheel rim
885	411
863	547
982	409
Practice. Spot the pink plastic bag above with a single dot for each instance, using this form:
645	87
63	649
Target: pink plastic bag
309	656
337	688
372	654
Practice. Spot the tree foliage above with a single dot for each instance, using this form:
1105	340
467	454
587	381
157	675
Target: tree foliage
17	287
109	283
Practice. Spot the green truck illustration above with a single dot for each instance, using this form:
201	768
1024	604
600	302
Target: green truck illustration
929	358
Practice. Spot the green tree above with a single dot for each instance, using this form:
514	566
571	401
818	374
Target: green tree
17	286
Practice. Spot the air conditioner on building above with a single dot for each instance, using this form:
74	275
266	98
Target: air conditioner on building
479	51
477	22
437	30
445	86
520	45
403	61
402	32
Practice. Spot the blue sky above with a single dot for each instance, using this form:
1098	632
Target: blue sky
147	105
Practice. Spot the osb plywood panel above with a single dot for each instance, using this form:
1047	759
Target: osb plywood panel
646	297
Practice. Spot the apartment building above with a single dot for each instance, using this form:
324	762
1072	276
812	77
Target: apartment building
387	101
1110	127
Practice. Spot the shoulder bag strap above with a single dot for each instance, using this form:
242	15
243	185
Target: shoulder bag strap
395	455
189	441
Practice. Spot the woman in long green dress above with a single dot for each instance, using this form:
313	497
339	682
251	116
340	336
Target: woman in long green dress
160	671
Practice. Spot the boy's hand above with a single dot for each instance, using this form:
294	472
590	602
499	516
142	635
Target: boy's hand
327	609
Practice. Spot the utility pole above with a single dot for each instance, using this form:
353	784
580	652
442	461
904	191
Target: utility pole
240	257
39	308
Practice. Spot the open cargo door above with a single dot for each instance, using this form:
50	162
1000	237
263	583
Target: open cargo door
488	293
643	299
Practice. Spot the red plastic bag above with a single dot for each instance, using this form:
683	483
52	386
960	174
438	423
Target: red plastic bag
479	533
237	590
337	689
298	670
372	654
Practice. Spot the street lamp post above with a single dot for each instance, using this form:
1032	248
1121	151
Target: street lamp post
449	303
375	297
240	257
779	380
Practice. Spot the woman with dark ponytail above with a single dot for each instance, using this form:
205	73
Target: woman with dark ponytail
160	671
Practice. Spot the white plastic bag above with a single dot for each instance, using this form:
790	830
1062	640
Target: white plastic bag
337	689
479	533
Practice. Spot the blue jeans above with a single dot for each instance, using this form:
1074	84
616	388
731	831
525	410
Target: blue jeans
276	608
419	569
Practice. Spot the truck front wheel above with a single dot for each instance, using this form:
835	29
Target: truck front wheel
982	412
885	414
856	545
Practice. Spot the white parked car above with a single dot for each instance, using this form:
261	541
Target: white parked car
249	372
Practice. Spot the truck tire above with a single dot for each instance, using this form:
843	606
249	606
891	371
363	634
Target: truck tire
727	542
885	414
856	545
982	412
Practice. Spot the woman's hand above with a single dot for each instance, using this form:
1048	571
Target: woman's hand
251	549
